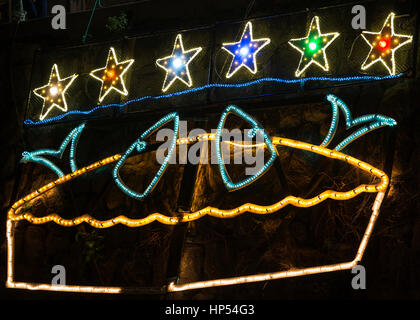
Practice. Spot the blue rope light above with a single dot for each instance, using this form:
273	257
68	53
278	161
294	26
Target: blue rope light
376	121
255	127
140	145
29	122
34	156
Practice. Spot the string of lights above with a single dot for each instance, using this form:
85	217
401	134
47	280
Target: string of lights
140	145
274	80
34	156
256	127
173	287
293	272
215	212
375	121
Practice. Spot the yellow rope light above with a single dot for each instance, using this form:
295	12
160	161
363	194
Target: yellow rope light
172	287
215	212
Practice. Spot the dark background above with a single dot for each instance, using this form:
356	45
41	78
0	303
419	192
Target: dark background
211	248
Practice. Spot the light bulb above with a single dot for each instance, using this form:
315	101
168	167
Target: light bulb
312	46
177	63
53	91
244	51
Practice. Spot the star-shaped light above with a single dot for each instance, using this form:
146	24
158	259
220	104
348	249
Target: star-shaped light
312	47
384	44
111	76
53	93
244	51
176	65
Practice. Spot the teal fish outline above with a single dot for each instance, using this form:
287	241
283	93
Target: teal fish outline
37	155
375	121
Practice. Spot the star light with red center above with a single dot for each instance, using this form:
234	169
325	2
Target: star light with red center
111	76
312	47
53	93
176	65
383	45
244	51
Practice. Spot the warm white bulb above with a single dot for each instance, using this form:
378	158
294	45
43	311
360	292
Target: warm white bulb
53	91
177	63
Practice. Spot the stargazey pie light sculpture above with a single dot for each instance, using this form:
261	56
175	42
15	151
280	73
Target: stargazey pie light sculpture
312	47
370	122
112	75
53	93
244	51
383	45
176	65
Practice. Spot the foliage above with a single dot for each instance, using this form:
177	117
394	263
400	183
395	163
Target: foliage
117	23
92	244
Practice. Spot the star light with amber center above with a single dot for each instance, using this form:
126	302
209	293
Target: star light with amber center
312	47
176	65
383	45
111	76
244	51
53	93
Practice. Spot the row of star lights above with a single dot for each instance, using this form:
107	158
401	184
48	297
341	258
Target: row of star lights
383	45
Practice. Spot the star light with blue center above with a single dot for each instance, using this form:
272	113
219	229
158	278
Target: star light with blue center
244	51
312	47
176	65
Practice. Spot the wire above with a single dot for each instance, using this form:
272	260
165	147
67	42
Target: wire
90	19
29	122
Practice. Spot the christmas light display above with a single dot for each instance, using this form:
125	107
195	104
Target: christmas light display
14	216
176	65
312	47
244	51
140	145
256	127
53	93
35	156
112	75
215	212
383	45
172	287
375	121
295	272
300	81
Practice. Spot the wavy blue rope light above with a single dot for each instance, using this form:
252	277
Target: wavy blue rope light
29	122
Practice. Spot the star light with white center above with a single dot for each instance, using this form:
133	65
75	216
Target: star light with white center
312	47
111	76
176	65
383	45
53	93
244	51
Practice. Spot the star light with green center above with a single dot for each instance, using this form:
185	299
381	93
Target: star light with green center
53	93
383	45
312	47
